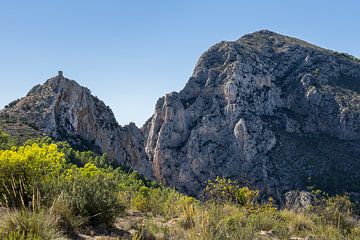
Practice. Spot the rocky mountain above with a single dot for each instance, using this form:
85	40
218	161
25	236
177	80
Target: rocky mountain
271	111
64	110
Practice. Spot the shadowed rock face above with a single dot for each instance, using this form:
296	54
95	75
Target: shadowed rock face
271	111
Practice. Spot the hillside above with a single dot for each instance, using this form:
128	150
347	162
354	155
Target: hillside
50	191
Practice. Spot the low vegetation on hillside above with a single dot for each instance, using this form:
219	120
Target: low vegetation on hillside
50	191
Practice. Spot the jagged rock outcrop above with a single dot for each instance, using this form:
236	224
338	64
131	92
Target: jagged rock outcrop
64	110
270	111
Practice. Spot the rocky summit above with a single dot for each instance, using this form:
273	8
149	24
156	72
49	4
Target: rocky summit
270	111
64	110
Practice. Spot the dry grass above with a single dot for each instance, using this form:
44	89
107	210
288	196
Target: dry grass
25	224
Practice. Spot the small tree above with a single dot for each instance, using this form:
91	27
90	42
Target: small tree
4	140
223	190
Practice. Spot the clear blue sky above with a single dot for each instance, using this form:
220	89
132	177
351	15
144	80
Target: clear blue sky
130	53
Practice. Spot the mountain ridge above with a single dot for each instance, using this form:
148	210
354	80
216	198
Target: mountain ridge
270	111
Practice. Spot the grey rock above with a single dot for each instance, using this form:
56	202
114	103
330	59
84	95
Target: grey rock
270	111
299	201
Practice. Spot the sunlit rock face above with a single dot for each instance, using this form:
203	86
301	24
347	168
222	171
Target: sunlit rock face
271	111
64	110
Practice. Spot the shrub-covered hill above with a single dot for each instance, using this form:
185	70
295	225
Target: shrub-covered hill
50	191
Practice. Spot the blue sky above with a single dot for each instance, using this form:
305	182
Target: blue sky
130	53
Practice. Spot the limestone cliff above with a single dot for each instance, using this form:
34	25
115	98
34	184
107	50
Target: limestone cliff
273	112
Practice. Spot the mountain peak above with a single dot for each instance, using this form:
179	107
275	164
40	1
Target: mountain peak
262	110
264	33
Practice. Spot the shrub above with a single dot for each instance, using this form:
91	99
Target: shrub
168	202
338	211
72	156
66	219
4	140
24	170
92	193
223	190
129	185
141	200
245	196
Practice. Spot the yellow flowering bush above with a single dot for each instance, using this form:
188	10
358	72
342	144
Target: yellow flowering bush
24	169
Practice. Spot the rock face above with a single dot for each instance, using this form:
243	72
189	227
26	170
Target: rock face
64	110
271	111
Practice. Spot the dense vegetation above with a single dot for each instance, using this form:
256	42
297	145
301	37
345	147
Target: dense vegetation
50	191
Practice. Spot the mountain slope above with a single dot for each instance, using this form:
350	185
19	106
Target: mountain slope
271	111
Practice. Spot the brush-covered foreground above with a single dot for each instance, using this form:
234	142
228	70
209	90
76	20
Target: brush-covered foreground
50	191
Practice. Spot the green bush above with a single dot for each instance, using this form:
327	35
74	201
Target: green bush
66	219
4	140
92	193
338	212
223	190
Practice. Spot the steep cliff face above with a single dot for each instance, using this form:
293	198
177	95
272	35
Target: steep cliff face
64	110
271	111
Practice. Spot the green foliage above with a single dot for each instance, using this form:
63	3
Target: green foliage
337	211
223	190
246	196
66	218
79	158
142	199
92	193
4	140
51	187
